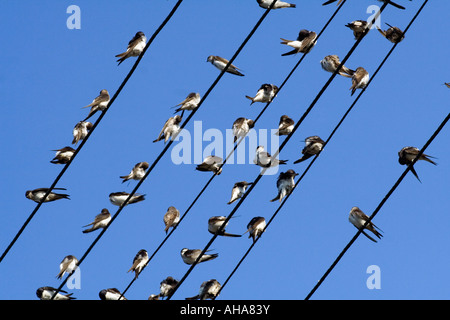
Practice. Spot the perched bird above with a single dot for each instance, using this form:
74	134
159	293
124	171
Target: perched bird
190	103
407	155
285	184
139	262
358	27
171	218
167	286
393	34
313	146
189	256
153	297
46	293
137	173
135	47
359	218
305	41
63	155
215	223
99	103
170	129
285	126
220	63
265	160
331	63
278	5
256	227
264	94
208	290
81	130
241	126
238	190
388	1
68	264
211	163
118	198
100	221
360	79
111	294
38	194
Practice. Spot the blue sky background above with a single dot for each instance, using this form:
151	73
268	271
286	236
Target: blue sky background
49	72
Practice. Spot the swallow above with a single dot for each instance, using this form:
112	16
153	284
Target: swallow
285	184
68	264
313	146
167	286
285	126
215	223
238	190
265	160
153	297
38	194
99	103
331	63
63	155
46	293
190	103
256	227
359	218
170	129
220	63
241	126
171	218
208	290
264	94
111	294
189	256
358	27
81	130
118	198
100	221
139	262
305	41
278	5
407	155
135	47
388	1
393	34
211	163
137	173
360	79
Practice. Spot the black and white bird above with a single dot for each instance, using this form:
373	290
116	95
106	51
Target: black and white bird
220	63
137	173
170	129
359	218
171	218
100	103
393	34
139	262
285	184
46	293
100	221
135	47
278	5
358	27
313	146
256	227
305	41
407	155
264	94
63	155
38	194
167	287
265	160
360	79
189	256
331	62
211	163
241	127
217	222
67	265
238	190
111	294
81	130
285	126
208	290
119	198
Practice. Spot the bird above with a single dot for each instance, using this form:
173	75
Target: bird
407	155
211	163
153	297
393	34
264	94
256	227
167	286
99	103
313	146
305	41
447	84
285	126
119	198
68	264
135	47
285	184
220	63
171	218
38	194
265	160
46	293
359	218
139	262
331	62
189	103
81	130
388	1
100	221
217	222
63	155
241	126
360	79
278	5
189	256
208	290
111	294
137	173
238	190
358	27
170	129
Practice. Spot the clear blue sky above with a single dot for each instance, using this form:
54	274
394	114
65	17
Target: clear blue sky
49	72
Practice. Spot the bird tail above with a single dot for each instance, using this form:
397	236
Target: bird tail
284	41
250	98
226	234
